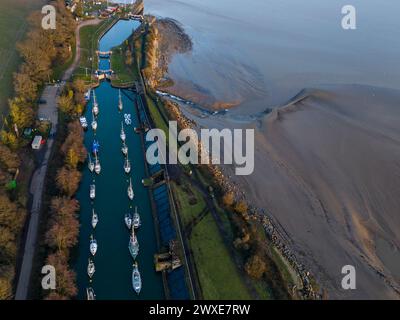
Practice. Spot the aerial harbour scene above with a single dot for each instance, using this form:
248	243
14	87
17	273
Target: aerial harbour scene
168	150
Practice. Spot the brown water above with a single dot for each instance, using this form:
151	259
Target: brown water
262	52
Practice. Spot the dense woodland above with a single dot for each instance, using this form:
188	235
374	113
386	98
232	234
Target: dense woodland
42	51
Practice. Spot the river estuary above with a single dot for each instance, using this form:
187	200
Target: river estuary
113	262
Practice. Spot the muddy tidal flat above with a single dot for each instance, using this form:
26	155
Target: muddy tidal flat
327	158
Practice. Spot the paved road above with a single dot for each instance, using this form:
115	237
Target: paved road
49	111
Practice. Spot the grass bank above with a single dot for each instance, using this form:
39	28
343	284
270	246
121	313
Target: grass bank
13	27
124	74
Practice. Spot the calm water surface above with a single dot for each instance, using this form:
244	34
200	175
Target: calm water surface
113	262
263	52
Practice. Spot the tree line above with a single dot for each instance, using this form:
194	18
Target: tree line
63	226
258	258
41	51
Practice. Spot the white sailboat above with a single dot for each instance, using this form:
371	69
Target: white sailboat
95	105
136	279
90	294
130	190
92	192
94	122
127	165
91	268
90	164
97	166
95	219
120	105
93	245
124	149
136	222
128	220
122	135
133	245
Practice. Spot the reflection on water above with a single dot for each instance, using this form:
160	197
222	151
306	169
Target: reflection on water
265	51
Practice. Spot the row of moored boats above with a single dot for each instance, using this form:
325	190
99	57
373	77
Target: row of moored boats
132	220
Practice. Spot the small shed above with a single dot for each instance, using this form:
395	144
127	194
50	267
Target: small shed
37	142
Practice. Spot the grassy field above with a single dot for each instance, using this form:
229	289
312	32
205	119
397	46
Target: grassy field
218	276
157	117
125	75
13	27
188	211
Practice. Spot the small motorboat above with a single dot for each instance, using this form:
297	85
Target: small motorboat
91	268
133	245
136	219
95	219
92	192
130	190
93	245
124	149
136	279
90	164
120	105
90	294
95	109
128	220
122	135
127	165
83	122
97	166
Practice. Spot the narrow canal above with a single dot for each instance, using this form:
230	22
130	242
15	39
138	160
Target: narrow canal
113	262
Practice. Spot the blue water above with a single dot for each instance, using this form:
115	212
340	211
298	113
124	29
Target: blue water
113	262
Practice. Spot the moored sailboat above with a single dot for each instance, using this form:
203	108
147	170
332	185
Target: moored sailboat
92	192
90	164
136	219
94	122
122	134
133	245
95	219
130	190
95	105
124	149
90	295
91	268
93	245
128	220
136	278
97	166
127	165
